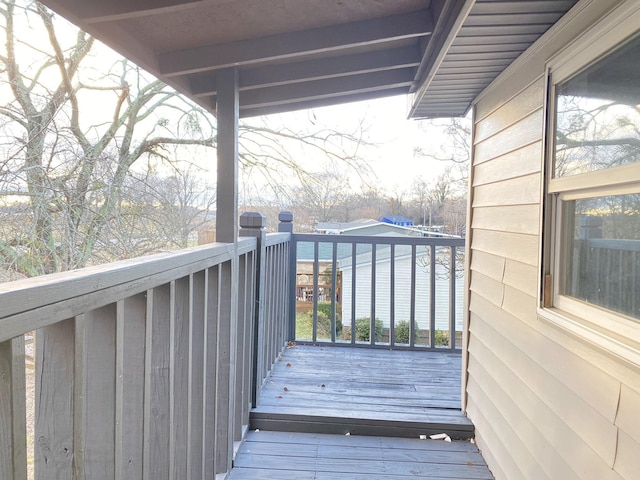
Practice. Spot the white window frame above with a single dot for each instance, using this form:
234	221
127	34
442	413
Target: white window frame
615	333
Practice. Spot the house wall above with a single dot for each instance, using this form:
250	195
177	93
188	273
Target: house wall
545	404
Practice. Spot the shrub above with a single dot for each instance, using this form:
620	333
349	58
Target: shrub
402	331
363	327
442	338
325	308
304	325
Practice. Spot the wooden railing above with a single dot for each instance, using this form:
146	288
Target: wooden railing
607	274
408	290
145	368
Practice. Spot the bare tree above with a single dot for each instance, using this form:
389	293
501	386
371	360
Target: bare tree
60	161
76	137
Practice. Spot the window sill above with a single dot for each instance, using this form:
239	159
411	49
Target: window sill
621	348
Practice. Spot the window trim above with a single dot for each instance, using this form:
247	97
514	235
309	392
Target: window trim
614	333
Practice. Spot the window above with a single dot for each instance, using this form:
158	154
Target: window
593	248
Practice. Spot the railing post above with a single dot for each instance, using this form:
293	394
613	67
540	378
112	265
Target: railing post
252	224
286	225
286	222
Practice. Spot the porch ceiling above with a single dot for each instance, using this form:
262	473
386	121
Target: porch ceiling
295	54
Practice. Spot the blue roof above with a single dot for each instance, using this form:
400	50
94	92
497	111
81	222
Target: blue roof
397	220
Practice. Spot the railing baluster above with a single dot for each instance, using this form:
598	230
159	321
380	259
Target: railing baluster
413	290
392	295
372	319
130	339
432	297
156	410
209	374
354	254
334	286
316	272
13	436
452	297
197	361
225	374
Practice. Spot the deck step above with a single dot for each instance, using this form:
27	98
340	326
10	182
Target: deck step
363	392
451	422
307	456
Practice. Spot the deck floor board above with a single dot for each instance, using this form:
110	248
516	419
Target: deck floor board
375	386
353	414
279	455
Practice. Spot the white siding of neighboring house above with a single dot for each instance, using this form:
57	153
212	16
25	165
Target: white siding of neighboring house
545	404
402	302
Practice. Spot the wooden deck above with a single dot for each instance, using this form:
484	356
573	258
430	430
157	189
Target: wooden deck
305	456
363	392
339	413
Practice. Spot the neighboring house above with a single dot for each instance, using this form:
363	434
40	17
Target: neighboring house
376	227
402	281
402	290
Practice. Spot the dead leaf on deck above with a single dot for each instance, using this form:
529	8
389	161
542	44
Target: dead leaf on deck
288	364
280	358
285	389
470	463
323	385
278	396
291	344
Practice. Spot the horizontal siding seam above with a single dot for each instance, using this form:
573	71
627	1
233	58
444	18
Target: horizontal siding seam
514	121
507	421
506	152
480	310
548	406
510	99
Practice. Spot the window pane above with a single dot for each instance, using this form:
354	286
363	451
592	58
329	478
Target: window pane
598	115
601	252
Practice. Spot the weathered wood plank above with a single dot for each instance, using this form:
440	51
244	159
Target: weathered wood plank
212	291
404	444
131	316
347	466
99	390
179	377
225	374
156	412
55	401
13	441
197	368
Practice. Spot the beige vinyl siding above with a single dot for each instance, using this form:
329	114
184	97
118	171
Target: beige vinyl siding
544	403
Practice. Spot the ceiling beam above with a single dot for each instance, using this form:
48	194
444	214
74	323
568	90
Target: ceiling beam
322	102
98	11
317	89
287	45
274	75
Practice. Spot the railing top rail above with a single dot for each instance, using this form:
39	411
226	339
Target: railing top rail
379	240
36	302
276	238
615	244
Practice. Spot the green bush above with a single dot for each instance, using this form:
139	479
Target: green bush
442	338
304	326
402	331
325	308
363	328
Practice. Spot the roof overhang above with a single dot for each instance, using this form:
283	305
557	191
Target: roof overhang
297	54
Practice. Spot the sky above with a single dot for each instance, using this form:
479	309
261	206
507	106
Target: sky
392	137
